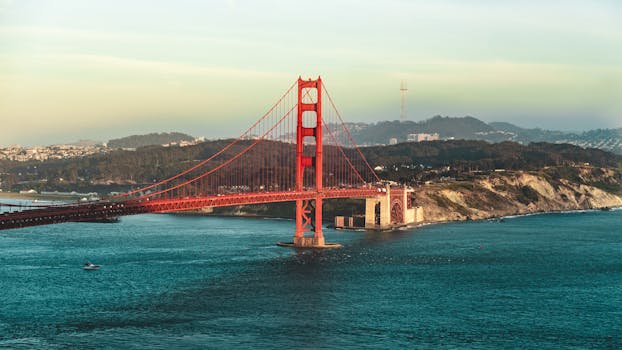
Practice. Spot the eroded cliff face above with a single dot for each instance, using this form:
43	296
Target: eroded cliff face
516	193
485	196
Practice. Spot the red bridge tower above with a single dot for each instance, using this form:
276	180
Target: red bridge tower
310	101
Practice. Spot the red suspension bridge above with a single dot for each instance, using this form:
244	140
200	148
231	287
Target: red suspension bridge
299	151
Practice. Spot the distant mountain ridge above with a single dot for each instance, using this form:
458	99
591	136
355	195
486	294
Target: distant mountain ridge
470	128
136	141
86	143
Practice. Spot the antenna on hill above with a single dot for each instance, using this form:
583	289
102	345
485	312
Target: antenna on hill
403	90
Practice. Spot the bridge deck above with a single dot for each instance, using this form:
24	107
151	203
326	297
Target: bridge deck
107	209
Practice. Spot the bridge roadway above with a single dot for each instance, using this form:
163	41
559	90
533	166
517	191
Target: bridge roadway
109	209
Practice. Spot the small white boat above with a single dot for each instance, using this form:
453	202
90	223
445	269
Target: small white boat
90	266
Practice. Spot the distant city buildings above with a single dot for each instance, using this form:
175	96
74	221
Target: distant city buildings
185	143
416	138
422	137
40	153
23	154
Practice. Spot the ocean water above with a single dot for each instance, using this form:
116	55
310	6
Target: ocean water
179	282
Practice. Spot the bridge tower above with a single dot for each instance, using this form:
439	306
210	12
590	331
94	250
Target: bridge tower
309	101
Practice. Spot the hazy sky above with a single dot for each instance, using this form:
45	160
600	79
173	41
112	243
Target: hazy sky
74	69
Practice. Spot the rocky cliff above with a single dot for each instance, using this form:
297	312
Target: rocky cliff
482	196
516	193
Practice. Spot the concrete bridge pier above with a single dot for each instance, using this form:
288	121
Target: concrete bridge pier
378	212
396	208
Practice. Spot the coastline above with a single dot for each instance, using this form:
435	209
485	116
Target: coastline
37	196
408	226
243	214
492	197
514	216
487	198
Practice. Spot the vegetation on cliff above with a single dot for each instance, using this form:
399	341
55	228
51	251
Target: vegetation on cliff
521	192
484	196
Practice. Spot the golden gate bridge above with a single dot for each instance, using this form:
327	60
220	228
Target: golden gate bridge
299	151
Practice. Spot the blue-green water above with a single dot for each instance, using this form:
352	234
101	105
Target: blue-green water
166	282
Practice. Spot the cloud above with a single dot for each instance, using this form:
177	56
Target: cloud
128	37
106	62
5	5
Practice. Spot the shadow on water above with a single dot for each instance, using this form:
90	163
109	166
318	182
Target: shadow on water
301	289
374	238
291	296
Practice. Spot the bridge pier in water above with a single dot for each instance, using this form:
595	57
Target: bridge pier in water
378	212
306	212
309	212
395	209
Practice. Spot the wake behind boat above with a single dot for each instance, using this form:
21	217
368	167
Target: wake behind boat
90	266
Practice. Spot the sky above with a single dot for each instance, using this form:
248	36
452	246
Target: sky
78	69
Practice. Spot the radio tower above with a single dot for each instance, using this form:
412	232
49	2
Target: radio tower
403	90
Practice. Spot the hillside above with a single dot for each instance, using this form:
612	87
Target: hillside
447	127
523	135
136	141
482	155
405	162
482	197
519	193
469	128
454	180
86	143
